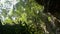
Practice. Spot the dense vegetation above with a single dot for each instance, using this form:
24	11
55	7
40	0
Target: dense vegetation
29	17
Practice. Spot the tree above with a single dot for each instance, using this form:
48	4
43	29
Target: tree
28	17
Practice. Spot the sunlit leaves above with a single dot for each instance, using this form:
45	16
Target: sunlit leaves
49	18
8	21
23	17
26	11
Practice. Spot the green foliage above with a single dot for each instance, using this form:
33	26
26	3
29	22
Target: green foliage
29	13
